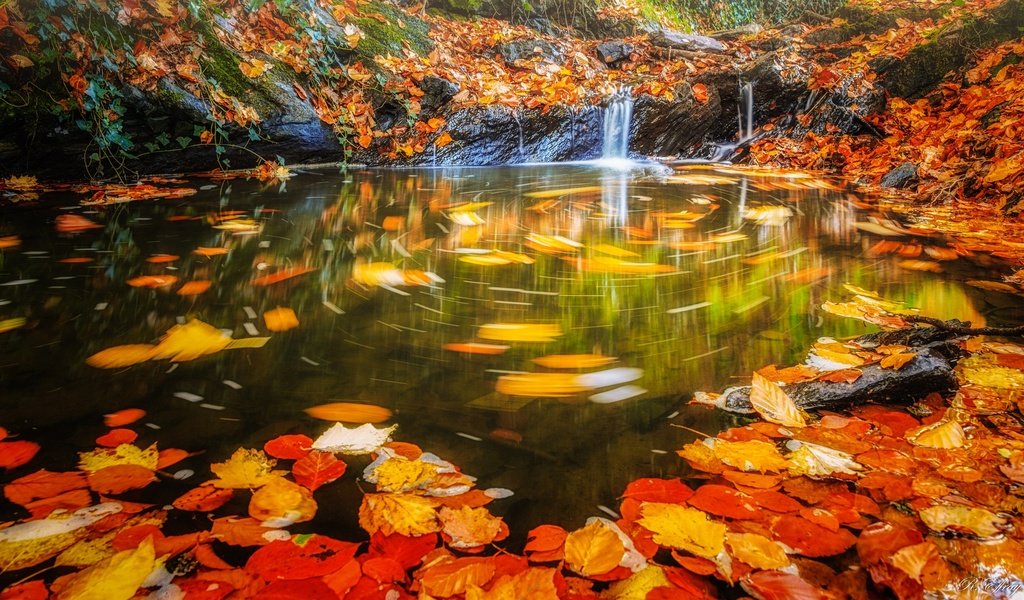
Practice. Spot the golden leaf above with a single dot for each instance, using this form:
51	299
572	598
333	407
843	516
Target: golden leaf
247	468
752	455
773	404
125	454
639	584
349	412
684	528
941	434
536	583
574	361
405	514
399	475
756	550
817	461
978	521
117	357
254	68
593	550
282	500
190	341
896	360
116	578
280	319
520	332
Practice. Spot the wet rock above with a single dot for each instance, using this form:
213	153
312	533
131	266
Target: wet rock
776	86
666	38
527	49
901	177
437	91
930	371
672	127
613	51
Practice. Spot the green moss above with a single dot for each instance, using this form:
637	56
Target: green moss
220	63
387	38
469	6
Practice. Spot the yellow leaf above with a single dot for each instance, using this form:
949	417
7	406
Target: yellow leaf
563	192
752	455
190	341
638	585
282	500
399	475
941	434
593	550
574	361
1003	168
247	468
254	68
756	550
121	356
398	513
520	332
116	578
684	528
125	454
773	404
12	324
963	518
280	319
165	8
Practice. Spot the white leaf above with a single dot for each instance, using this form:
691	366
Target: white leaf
813	460
359	440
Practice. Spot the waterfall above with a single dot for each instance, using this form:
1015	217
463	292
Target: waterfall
746	111
617	120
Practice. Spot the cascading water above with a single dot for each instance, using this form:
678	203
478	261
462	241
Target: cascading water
617	121
746	111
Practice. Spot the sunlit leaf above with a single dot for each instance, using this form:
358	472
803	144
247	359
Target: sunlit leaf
405	514
116	578
756	550
282	503
280	319
773	404
967	519
247	468
593	550
125	454
683	528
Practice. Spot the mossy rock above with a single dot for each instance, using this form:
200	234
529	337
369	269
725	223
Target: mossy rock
383	39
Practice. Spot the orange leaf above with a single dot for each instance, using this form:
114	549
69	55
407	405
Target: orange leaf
593	550
116	437
117	479
43	484
282	275
170	456
700	93
194	288
349	412
242	531
289	447
152	281
454	577
123	417
204	498
15	454
280	319
162	258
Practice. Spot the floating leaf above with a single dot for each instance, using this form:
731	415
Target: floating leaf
456	576
467	528
957	517
280	319
520	332
205	498
756	550
247	468
282	502
359	440
301	557
593	550
349	412
317	468
813	460
941	434
125	454
17	453
119	357
116	437
123	417
117	479
574	361
683	528
289	447
116	578
405	514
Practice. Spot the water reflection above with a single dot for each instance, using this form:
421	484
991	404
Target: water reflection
438	294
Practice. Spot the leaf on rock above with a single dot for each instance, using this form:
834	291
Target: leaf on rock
359	440
773	404
683	528
247	468
398	513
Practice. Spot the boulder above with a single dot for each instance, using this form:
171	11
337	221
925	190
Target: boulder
674	40
902	176
613	51
437	91
526	49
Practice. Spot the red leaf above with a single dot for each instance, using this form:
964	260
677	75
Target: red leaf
546	543
209	559
775	501
131	537
204	498
384	569
724	502
33	590
117	479
317	468
881	540
116	437
289	447
649	489
313	556
123	417
15	454
810	539
68	501
408	551
43	484
296	589
776	585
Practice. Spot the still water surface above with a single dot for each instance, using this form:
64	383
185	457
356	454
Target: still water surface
689	280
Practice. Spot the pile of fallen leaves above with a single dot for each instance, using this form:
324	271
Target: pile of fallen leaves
921	501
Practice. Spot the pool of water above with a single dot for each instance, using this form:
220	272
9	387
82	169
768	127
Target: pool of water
690	277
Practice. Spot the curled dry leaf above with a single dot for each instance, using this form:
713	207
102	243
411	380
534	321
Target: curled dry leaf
773	404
